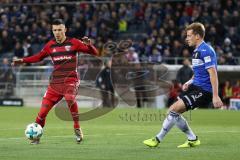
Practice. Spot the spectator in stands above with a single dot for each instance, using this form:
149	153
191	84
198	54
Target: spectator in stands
149	47
138	84
113	23
155	24
227	93
176	48
19	34
79	27
230	59
185	19
7	77
27	47
132	56
18	50
141	51
6	42
104	82
89	28
156	56
174	92
186	53
227	45
122	25
104	31
184	73
222	60
236	90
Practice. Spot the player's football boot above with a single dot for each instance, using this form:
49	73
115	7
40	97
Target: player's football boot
190	143
79	134
35	141
152	142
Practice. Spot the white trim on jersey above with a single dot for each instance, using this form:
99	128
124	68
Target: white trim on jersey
210	66
197	62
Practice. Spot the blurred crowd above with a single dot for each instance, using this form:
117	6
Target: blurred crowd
157	28
230	89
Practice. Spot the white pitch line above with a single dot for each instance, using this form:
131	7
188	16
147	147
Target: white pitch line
116	134
10	129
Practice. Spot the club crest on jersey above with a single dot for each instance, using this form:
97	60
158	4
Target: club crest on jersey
67	48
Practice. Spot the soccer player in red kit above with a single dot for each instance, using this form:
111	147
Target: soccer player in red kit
64	81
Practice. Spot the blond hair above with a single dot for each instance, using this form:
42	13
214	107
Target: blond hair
197	28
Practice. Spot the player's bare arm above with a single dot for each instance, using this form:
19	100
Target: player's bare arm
217	102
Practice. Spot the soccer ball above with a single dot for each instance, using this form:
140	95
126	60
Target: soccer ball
33	131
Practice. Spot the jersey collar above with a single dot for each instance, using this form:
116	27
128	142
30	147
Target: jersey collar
198	46
62	42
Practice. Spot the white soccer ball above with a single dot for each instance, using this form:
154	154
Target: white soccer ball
33	131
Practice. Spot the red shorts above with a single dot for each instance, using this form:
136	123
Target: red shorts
55	92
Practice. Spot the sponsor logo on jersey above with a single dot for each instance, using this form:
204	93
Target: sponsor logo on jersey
62	58
197	62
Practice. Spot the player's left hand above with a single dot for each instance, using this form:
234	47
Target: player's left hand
86	40
217	102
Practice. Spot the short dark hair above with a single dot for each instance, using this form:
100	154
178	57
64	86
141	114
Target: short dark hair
197	28
58	22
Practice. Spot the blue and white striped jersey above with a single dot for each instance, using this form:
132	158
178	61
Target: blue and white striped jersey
204	57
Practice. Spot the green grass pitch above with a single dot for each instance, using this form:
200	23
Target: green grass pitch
118	135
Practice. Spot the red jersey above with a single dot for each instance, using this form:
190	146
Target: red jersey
64	57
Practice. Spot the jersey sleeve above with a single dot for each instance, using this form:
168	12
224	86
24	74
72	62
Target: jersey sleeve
81	47
209	58
37	57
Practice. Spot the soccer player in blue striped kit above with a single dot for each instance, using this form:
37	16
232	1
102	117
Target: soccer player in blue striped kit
200	90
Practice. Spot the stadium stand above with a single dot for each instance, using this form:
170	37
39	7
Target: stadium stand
156	27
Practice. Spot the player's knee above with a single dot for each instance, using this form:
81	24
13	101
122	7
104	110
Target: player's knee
70	99
178	107
172	115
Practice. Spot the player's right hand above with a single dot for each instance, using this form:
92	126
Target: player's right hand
17	62
217	102
185	86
